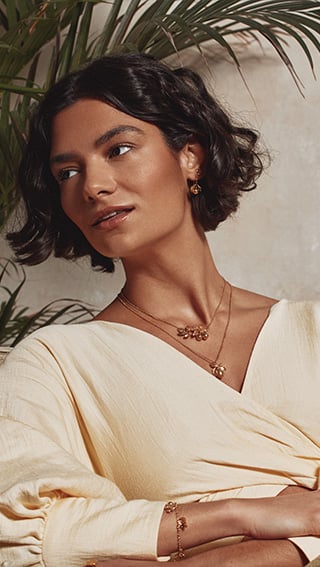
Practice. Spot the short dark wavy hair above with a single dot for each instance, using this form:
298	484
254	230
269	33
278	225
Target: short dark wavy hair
178	103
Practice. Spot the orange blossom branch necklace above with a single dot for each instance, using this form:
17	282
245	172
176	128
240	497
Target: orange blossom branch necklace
198	331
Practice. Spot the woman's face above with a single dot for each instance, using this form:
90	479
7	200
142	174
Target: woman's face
119	181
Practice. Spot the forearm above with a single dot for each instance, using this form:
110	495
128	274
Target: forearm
258	519
206	522
266	522
252	553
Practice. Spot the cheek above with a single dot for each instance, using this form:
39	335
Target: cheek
166	182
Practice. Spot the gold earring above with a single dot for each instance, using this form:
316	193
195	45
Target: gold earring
196	188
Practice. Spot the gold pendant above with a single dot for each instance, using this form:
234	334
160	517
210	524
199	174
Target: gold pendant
197	332
217	369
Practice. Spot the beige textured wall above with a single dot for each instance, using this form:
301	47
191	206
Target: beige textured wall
272	245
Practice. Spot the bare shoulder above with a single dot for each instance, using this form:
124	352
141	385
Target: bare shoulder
251	310
112	313
245	300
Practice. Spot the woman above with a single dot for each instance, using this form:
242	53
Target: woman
163	424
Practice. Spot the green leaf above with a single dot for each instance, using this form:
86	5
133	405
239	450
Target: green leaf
104	39
82	38
16	322
69	41
291	32
11	14
124	23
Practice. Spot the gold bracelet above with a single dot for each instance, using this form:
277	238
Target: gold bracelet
91	563
181	525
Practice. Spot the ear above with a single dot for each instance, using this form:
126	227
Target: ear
192	158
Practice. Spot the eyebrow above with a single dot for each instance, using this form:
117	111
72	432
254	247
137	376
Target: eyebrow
114	132
108	135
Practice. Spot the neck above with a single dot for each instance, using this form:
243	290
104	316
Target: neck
184	276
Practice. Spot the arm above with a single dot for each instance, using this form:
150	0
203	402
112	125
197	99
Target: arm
49	489
209	521
278	553
49	497
257	519
253	553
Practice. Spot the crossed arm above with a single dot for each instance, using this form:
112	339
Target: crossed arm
262	553
266	523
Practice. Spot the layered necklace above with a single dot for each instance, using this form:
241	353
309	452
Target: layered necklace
197	332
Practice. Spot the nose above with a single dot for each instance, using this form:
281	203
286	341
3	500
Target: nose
98	181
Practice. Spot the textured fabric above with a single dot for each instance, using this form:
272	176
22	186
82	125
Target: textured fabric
102	423
315	562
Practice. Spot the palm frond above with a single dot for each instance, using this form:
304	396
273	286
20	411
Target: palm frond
16	322
191	23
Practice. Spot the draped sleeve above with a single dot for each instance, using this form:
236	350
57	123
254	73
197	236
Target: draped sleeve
55	507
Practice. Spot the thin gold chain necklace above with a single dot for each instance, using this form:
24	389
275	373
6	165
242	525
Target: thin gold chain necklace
198	332
217	368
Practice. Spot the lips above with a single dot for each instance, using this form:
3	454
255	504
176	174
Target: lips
109	214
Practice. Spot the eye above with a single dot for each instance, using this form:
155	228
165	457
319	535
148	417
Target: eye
65	174
119	150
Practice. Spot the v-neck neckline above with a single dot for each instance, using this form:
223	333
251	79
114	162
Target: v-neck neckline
260	336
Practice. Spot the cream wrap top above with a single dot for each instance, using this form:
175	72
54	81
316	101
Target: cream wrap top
101	424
